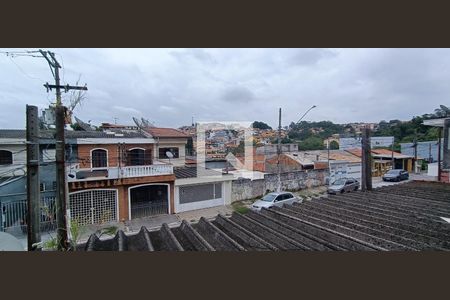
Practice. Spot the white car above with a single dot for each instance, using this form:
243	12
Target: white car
275	199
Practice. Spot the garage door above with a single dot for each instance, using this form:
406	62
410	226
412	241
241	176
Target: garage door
93	206
199	196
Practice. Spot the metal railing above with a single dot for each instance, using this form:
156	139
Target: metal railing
141	210
13	215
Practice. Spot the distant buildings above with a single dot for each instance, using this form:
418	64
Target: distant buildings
355	142
427	150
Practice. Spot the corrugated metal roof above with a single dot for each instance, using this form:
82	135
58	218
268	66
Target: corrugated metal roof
405	217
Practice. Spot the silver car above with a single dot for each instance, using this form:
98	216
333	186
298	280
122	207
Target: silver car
343	185
275	199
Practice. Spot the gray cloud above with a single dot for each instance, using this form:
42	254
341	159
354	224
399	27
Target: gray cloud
170	86
307	57
238	94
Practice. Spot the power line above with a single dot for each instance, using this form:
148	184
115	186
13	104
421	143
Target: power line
23	72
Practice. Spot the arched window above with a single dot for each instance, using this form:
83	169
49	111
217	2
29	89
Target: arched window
99	158
6	157
138	157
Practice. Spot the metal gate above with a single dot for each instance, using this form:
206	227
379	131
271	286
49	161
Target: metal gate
94	206
149	200
13	215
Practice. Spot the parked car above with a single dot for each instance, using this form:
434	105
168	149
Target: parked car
396	175
275	199
343	185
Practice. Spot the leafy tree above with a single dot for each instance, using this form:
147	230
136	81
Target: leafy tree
334	145
286	140
311	143
260	125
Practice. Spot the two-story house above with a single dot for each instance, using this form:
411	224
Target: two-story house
115	177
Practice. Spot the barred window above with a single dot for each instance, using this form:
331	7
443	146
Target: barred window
99	158
139	157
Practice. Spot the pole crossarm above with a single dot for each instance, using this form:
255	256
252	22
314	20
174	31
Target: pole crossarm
66	87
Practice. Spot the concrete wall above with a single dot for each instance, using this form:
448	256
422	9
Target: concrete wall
243	189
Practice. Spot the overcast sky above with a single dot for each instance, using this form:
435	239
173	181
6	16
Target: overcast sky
169	86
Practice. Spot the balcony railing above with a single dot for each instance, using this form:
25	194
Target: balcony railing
76	174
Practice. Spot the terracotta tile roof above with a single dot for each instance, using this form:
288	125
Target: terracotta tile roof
166	132
356	151
378	153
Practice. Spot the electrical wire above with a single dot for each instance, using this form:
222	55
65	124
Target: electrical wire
23	72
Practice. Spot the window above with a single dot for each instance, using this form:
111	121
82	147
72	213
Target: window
136	157
6	157
288	196
42	187
99	158
163	152
279	198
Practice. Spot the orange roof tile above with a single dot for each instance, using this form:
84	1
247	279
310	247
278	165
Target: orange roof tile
166	132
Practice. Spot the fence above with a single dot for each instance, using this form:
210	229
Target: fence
140	210
13	213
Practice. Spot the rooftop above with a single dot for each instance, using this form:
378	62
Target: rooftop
193	172
166	132
403	217
378	153
71	134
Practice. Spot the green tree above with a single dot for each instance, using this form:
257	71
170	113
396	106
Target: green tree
260	125
311	143
334	145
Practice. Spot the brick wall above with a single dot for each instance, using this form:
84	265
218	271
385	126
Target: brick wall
84	153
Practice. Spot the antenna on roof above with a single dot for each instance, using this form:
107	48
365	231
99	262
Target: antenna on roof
146	123
83	125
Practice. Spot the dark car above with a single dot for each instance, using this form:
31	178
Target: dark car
396	175
343	185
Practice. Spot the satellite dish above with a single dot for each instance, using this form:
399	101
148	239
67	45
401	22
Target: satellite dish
169	154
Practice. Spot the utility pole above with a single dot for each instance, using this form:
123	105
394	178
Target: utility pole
279	151
392	154
366	184
439	153
33	183
61	185
415	153
328	152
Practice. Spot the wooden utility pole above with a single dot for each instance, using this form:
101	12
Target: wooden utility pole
439	153
415	153
61	186
279	152
33	183
392	154
366	184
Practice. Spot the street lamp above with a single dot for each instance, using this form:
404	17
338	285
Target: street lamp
314	106
279	144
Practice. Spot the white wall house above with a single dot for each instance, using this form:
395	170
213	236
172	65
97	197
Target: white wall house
207	189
